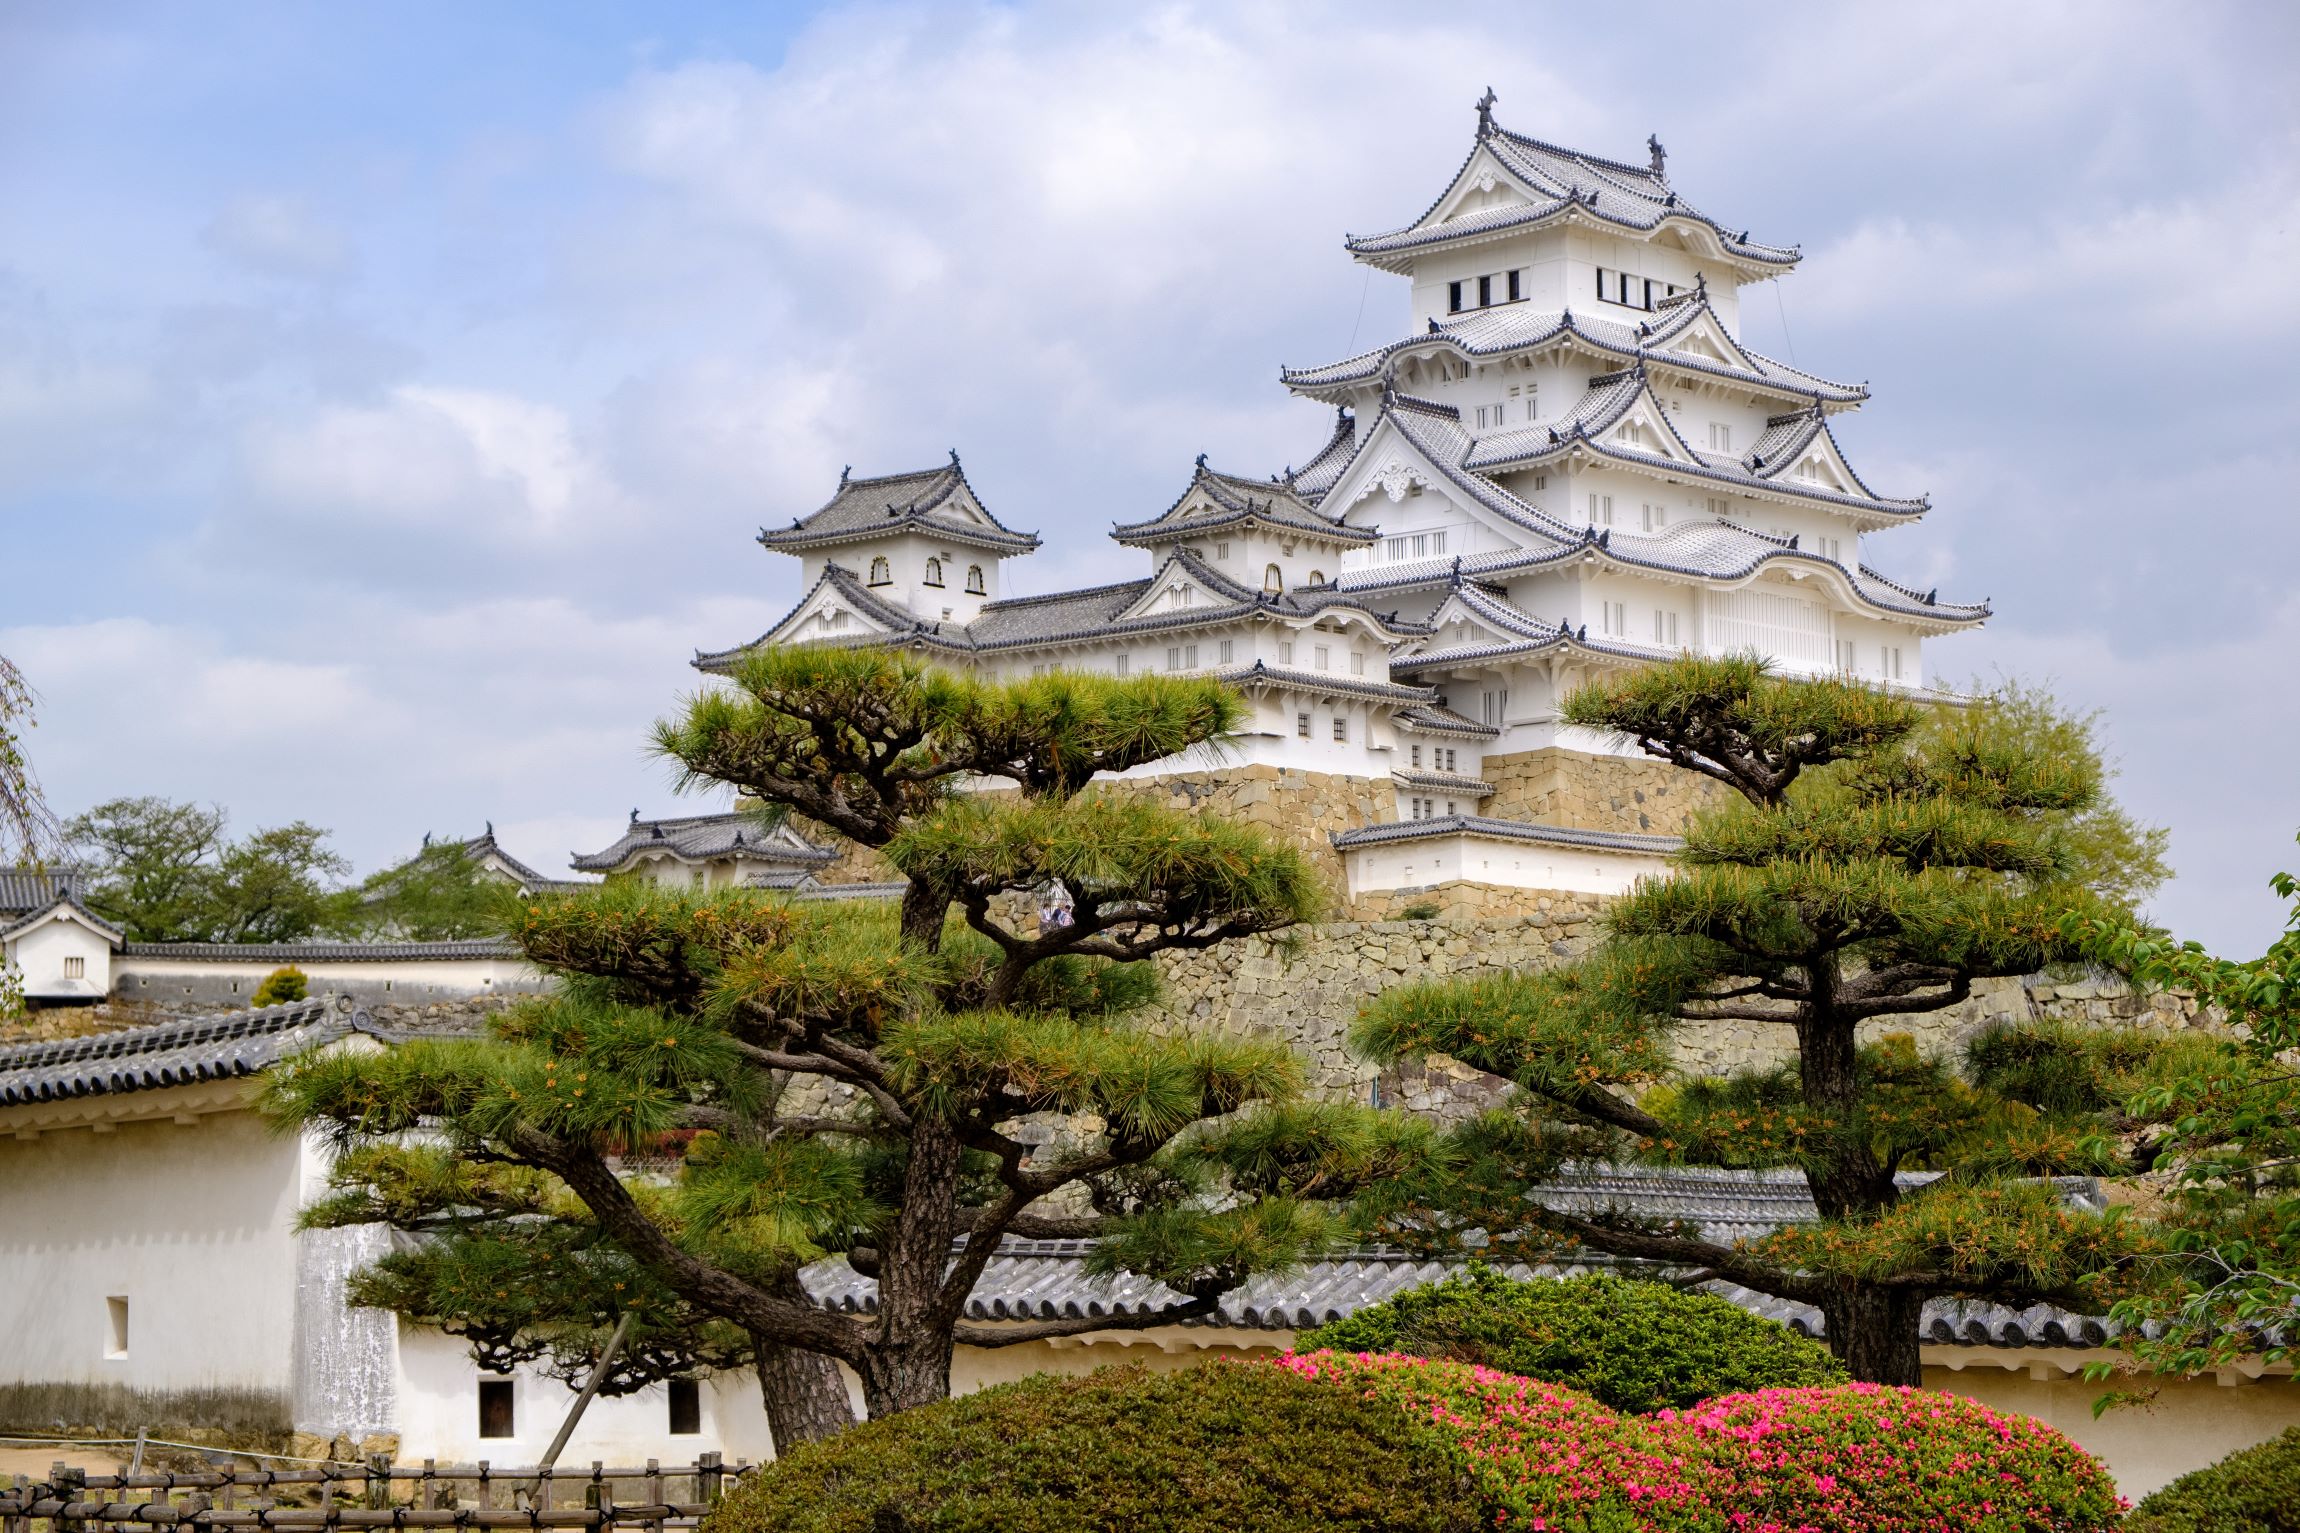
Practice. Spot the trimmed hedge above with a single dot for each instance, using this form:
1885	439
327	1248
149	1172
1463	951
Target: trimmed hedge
2253	1490
1221	1449
1858	1458
1638	1347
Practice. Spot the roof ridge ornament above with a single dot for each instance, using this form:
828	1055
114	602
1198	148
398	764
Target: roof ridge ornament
1201	463
1660	155
954	457
846	471
1485	113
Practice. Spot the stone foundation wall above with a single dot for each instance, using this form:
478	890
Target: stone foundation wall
1308	986
1587	792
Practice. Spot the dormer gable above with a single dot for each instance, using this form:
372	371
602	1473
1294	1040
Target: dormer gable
1484	185
839	610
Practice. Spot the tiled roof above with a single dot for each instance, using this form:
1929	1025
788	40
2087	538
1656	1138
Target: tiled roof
329	952
892	619
70	900
1261	674
484	845
1046	1279
1504	830
1560	182
171	1053
1507	329
26	889
872	508
1435	719
1231	501
1442	782
1314	478
704	837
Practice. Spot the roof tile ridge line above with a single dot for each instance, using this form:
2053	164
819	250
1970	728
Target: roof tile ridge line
1006	602
1928	598
1673	205
1530	516
958	470
1641	172
1416	403
1698	466
1925	499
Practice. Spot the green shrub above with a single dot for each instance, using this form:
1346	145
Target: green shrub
1633	1346
1219	1449
2254	1490
282	986
1420	910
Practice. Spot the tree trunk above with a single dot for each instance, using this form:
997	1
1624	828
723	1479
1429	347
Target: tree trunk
923	909
805	1394
897	1378
1873	1331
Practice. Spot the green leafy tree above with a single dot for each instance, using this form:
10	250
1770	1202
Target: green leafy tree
167	873
1880	859
903	1083
437	895
27	829
2223	1118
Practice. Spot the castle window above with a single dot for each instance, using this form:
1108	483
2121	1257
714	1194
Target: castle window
934	573
686	1408
1317	577
1600	510
1221	550
1445	759
1342	727
1616	618
974	579
1123	661
1664	627
1302	725
1515	293
1720	437
1453	297
1173	657
1320	656
1485	292
1417	755
75	967
1891	655
496	1408
116	1326
1357	662
1655	516
881	573
1273	580
1285	652
1227	647
1809	471
1719	506
1845	660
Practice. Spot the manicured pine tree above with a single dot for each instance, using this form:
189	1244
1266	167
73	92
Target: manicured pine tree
901	1083
1879	859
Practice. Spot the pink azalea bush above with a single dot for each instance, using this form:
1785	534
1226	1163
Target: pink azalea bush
1831	1460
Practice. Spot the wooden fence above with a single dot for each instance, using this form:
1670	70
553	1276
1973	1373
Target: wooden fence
376	1496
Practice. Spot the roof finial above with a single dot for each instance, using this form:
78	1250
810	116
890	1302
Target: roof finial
1457	569
1701	283
846	471
1434	326
1201	463
427	838
490	830
1342	414
634	816
1660	156
954	457
1485	113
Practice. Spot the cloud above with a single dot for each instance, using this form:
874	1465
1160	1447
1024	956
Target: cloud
278	236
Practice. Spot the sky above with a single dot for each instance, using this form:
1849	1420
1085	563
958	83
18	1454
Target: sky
389	394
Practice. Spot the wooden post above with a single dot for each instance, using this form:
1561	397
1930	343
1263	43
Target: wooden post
486	1489
583	1399
708	1478
601	1494
71	1485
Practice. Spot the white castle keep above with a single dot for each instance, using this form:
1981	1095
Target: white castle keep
1570	463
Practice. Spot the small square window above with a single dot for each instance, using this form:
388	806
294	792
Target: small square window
1357	662
686	1408
496	1417
1302	725
75	967
1320	656
1228	648
116	1326
1341	726
1286	652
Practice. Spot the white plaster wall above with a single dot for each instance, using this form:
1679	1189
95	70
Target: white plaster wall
1491	860
39	954
157	978
190	1222
439	1414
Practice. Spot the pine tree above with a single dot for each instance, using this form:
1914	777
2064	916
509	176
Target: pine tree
899	1084
1879	859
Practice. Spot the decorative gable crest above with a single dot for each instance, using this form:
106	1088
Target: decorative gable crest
1395	479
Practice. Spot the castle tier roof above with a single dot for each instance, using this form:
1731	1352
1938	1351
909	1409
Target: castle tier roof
172	1053
1098	612
1314	478
23	889
1558	183
1702	550
1611	396
1513	329
705	838
1215	502
1442	782
1437	719
936	500
1521	633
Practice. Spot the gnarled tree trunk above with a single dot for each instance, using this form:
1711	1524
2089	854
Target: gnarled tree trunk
1873	1331
805	1394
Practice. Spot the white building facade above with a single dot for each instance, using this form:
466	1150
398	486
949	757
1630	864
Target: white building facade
1569	464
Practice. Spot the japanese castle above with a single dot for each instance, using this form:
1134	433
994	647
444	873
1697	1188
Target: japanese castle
1569	463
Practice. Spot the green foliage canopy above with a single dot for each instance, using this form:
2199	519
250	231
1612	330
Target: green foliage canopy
2250	1491
1880	858
166	872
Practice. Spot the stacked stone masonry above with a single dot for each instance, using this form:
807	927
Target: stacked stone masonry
1585	792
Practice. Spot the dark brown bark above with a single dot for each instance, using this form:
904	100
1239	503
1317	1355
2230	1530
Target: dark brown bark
805	1394
907	1362
922	912
1873	1331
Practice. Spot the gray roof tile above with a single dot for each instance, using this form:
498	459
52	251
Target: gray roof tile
1505	830
704	837
931	499
171	1053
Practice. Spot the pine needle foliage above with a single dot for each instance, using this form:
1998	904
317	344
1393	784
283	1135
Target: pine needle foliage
723	1088
1880	857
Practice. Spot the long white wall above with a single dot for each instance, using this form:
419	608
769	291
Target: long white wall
189	1222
